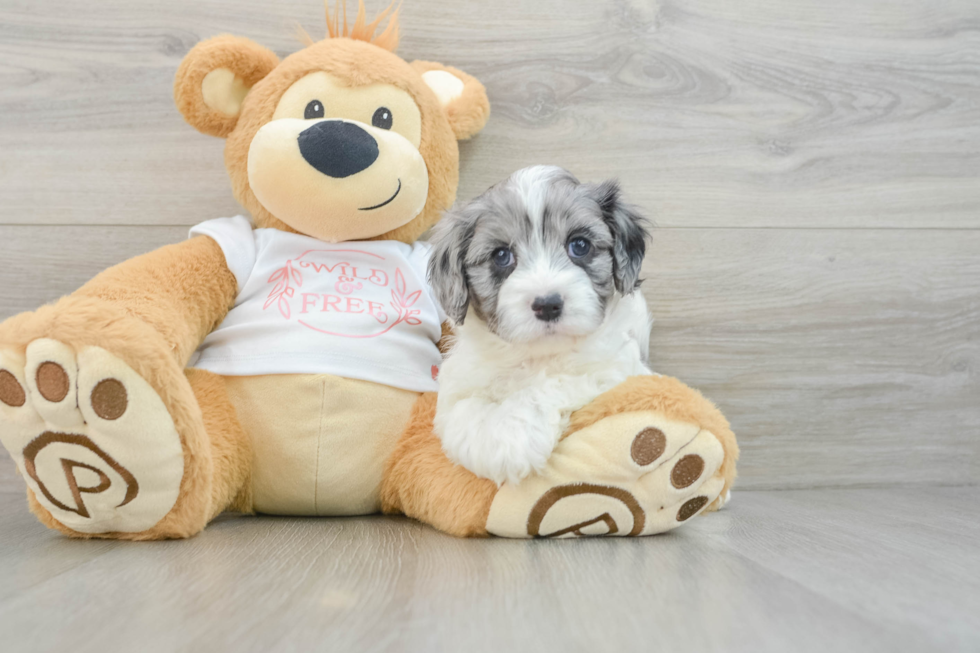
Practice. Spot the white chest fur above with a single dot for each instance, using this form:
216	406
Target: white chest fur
503	406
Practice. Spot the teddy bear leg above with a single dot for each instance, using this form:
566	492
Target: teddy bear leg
641	459
230	445
675	400
113	444
419	481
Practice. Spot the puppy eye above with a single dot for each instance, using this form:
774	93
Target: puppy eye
382	118
579	247
503	257
313	110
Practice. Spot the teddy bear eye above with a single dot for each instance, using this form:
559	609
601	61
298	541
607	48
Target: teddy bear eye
313	110
382	118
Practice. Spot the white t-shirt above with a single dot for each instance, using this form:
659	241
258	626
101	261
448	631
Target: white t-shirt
360	310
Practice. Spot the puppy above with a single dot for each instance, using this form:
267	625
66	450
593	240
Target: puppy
539	276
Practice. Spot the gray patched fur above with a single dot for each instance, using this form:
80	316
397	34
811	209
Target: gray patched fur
535	214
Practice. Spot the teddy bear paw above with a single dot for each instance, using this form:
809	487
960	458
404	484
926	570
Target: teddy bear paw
636	473
92	439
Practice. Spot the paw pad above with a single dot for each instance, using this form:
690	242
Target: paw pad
52	381
691	508
635	473
648	445
109	399
93	440
687	470
11	393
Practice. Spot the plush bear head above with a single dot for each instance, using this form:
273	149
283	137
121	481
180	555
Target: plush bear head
343	140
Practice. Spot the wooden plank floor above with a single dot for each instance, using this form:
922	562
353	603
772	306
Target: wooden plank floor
817	570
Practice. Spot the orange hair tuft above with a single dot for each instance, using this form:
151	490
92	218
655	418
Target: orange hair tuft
363	30
303	36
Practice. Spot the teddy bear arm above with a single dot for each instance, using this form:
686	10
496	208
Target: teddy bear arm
182	291
447	338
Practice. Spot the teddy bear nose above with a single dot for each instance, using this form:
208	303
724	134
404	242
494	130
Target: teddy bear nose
337	148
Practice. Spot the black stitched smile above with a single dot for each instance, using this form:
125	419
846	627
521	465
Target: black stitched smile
387	201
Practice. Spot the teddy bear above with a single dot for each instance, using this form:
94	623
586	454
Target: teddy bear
288	364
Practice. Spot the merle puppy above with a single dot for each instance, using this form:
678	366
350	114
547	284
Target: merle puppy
539	276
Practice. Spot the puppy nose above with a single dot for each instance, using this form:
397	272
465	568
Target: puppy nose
337	148
548	308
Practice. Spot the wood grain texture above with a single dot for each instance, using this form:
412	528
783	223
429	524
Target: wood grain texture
43	263
842	357
839	570
10	482
844	354
815	113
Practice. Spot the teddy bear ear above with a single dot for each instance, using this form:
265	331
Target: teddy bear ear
462	96
214	78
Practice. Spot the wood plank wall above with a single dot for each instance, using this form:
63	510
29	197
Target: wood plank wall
812	167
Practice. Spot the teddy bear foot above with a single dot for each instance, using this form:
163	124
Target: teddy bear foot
635	473
92	439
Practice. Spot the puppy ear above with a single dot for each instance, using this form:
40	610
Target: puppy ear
214	78
629	230
451	239
462	97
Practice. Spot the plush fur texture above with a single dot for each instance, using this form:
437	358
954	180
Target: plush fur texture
359	63
231	449
323	154
470	111
362	30
516	373
247	60
85	321
674	399
153	311
181	291
421	482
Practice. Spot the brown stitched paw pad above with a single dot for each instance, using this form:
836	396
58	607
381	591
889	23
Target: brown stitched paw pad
634	473
648	445
691	508
52	381
109	399
687	470
93	440
11	392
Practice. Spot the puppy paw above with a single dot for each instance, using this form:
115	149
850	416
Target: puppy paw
499	442
636	473
92	439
